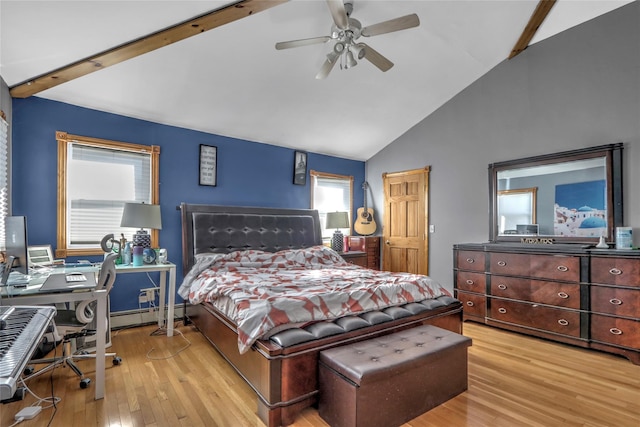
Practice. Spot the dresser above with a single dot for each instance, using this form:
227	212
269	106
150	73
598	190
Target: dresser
355	257
567	293
370	245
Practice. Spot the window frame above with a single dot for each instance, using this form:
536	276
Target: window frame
5	169
64	140
5	186
326	175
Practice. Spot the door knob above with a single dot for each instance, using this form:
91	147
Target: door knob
388	242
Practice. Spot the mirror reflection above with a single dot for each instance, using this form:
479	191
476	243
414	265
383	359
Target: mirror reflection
571	196
517	211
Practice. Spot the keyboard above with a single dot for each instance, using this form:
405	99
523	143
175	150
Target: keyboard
22	329
76	277
18	279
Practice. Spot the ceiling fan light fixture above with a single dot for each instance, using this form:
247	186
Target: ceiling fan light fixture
351	61
358	50
346	31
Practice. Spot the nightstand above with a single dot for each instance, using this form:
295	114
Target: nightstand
369	245
355	257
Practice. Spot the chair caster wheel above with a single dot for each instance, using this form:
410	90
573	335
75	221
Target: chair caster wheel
84	383
116	361
28	370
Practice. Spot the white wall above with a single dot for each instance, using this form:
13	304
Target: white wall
578	89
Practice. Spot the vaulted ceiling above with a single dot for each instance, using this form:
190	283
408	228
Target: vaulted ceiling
228	78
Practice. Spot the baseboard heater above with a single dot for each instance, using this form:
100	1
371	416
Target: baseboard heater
139	317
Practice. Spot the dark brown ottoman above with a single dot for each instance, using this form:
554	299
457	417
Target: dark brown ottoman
392	379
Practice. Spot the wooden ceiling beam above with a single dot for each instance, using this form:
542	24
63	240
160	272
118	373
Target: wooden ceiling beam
538	16
208	21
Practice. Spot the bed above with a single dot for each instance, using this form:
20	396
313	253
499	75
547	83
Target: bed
281	364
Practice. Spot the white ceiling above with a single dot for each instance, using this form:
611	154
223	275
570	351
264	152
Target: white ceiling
231	81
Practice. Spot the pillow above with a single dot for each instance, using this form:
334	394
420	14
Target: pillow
203	261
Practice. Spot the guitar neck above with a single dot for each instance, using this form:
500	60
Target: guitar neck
364	188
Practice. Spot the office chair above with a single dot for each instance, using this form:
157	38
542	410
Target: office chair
77	327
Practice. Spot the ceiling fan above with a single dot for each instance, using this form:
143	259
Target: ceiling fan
346	31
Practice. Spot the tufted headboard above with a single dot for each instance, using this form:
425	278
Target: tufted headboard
223	229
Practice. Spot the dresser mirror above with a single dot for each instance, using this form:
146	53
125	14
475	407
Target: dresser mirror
568	197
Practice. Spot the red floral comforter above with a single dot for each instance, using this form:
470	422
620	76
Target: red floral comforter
269	290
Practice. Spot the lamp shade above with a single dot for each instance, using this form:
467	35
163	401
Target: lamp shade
337	220
141	215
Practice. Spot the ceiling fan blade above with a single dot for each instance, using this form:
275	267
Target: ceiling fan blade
301	42
397	24
326	68
376	58
338	13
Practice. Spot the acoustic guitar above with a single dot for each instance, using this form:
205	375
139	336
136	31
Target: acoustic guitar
365	224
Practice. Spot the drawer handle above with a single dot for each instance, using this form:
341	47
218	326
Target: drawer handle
563	322
615	331
563	268
563	295
469	282
471	260
615	301
502	310
470	303
502	286
615	271
502	263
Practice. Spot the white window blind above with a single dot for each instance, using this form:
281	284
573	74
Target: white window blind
4	177
331	194
99	182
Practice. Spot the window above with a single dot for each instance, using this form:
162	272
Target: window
330	193
95	178
4	175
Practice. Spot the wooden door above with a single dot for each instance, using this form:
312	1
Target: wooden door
405	243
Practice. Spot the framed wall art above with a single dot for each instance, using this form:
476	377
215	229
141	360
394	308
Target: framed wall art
208	165
300	168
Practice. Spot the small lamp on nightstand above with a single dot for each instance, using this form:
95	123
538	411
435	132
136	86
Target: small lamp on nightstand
143	216
337	220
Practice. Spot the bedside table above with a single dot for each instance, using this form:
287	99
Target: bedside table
355	257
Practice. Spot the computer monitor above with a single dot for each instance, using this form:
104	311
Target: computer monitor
527	228
15	231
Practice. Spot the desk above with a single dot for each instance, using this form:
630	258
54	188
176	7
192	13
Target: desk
168	269
29	295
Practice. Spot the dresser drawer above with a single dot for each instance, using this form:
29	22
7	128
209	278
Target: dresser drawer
471	260
612	330
541	266
565	322
468	281
615	271
551	293
355	257
621	302
473	304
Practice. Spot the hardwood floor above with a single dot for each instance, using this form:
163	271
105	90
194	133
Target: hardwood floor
514	380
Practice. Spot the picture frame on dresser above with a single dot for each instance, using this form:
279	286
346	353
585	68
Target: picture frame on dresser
208	165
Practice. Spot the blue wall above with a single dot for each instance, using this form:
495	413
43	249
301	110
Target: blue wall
249	174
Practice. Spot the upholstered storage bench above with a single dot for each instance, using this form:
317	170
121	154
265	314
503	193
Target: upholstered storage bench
389	380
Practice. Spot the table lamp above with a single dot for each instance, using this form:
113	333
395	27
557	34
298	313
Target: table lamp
337	220
141	215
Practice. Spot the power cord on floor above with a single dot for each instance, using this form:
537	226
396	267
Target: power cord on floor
164	330
31	411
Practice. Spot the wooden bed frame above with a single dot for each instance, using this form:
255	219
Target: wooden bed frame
284	377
